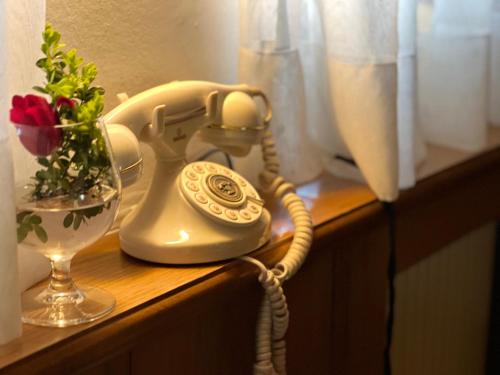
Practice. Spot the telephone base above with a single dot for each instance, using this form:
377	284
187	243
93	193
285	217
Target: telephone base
197	213
215	247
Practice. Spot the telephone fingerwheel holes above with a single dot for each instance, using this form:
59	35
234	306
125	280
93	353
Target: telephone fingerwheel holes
198	168
192	186
215	208
202	198
245	215
191	175
219	193
231	214
211	168
253	208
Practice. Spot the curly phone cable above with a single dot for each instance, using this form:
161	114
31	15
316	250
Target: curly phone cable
273	317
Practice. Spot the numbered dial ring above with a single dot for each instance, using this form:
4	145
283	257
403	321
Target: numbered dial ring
220	193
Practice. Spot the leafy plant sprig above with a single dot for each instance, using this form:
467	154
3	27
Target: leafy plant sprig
27	221
67	76
80	165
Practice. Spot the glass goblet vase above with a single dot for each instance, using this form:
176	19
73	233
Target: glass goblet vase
66	204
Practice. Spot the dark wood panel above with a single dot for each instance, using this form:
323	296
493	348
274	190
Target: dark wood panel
117	365
309	296
359	299
219	338
444	207
215	337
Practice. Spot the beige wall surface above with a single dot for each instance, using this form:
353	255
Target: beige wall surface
144	43
141	44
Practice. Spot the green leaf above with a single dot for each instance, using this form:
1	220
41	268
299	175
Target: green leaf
50	36
72	60
41	233
63	163
40	89
92	211
89	73
35	220
77	222
68	220
27	225
51	75
42	63
42	175
44	161
100	90
21	234
21	215
65	184
64	87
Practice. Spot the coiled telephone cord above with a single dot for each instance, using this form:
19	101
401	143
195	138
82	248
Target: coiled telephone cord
272	323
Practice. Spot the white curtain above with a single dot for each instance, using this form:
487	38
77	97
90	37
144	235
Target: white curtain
376	91
362	45
270	58
453	73
494	104
21	25
412	149
10	313
349	69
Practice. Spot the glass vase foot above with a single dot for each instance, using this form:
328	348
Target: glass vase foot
45	307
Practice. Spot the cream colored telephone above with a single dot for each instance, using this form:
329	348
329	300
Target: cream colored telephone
204	212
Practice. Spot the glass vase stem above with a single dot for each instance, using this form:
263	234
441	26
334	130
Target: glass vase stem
60	279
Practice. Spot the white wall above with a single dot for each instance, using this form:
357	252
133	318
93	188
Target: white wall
140	44
143	43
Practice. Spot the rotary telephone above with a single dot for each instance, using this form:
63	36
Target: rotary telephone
204	212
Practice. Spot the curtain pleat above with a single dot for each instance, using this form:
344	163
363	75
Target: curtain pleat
362	44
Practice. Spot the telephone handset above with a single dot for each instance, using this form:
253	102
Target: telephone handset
204	212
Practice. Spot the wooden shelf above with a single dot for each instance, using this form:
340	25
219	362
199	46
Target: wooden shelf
137	284
345	315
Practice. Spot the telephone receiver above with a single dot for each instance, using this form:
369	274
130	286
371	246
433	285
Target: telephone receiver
199	212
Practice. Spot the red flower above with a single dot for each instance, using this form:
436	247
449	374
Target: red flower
63	101
34	119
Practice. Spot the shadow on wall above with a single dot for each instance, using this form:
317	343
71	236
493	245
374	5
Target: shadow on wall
137	45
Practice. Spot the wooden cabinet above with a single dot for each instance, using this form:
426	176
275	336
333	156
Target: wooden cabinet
201	319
